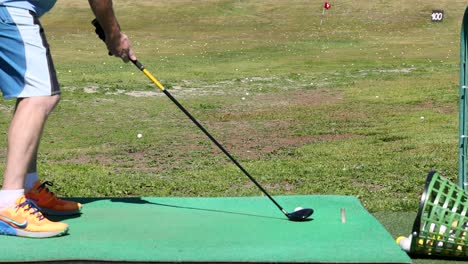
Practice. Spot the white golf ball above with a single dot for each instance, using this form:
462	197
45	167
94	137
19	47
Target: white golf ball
297	209
405	243
243	98
139	135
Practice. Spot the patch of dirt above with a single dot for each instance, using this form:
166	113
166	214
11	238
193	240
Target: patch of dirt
243	138
301	97
433	106
400	70
144	93
6	109
252	140
248	142
91	89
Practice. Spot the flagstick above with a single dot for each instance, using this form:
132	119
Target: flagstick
323	14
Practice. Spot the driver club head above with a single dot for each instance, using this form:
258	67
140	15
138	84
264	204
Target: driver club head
300	215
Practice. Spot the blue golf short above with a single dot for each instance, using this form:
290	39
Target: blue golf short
26	67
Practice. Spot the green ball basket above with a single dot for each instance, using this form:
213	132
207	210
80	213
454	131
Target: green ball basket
441	225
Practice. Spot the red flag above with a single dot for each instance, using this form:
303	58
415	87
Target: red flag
327	5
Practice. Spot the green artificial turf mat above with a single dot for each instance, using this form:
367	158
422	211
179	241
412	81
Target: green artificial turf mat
241	229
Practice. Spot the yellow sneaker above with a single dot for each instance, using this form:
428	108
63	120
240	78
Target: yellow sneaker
24	219
48	203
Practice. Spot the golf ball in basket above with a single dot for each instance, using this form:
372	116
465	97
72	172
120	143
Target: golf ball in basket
404	242
297	209
139	135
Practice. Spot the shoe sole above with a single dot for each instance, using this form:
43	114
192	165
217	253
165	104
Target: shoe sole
8	230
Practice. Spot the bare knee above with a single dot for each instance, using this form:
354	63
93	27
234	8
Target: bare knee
54	100
45	104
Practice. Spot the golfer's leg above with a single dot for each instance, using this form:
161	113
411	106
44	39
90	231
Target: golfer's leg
24	136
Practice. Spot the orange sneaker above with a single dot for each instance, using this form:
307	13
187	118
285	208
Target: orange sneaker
24	219
48	203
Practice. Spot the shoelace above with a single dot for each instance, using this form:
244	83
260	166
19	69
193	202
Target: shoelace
30	205
43	186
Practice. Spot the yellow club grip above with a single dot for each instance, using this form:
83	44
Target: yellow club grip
148	74
153	79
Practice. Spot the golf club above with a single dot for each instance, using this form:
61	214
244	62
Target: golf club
299	215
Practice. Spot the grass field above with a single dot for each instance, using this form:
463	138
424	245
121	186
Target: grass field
365	104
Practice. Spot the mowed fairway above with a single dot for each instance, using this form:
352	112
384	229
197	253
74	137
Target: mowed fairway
365	104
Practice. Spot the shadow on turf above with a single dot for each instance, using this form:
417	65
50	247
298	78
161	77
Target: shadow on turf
139	200
440	258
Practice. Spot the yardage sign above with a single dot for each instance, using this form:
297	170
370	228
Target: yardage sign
437	15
